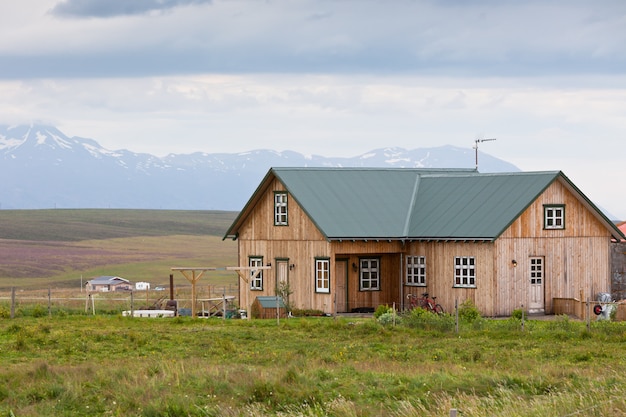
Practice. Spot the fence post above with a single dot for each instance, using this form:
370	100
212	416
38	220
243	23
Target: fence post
12	302
49	302
453	412
588	315
456	314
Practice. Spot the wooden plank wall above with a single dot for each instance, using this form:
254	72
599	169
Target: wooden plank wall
576	258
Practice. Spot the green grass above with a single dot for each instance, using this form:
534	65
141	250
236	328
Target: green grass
110	365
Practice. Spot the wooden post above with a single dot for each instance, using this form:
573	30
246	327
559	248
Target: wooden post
196	273
456	314
588	314
132	304
12	302
171	286
224	304
49	302
453	412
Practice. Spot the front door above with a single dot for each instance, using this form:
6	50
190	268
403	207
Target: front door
282	279
341	291
536	304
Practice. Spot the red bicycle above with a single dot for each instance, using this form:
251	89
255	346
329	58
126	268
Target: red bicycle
428	304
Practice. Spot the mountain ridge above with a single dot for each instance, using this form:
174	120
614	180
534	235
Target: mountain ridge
43	168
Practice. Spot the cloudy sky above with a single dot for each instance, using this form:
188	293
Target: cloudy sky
329	77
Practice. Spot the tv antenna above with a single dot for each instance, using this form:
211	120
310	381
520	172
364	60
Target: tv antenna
476	142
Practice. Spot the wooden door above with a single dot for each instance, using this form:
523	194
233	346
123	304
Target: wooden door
536	302
341	287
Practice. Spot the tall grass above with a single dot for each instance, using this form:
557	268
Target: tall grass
111	365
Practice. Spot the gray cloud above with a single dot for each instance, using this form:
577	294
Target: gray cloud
485	38
112	8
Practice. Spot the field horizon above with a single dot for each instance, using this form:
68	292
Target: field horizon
64	247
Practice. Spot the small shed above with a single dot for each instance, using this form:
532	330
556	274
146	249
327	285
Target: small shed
108	283
264	307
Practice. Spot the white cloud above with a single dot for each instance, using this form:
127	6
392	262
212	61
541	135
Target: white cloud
547	78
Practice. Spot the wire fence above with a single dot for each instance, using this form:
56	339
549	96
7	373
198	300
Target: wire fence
19	302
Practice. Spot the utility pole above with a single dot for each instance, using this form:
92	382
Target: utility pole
476	142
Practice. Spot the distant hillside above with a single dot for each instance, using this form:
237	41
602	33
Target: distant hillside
73	225
43	168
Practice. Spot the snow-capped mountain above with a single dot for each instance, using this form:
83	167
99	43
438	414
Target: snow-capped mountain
41	167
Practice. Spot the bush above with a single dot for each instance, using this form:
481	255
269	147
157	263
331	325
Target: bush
517	313
421	319
390	317
382	309
469	312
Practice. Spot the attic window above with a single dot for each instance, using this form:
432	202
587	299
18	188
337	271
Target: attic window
554	217
280	209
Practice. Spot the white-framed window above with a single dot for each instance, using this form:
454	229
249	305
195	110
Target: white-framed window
369	274
464	271
280	209
554	217
256	276
416	270
322	275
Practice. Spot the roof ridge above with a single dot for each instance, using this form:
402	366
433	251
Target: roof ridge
407	221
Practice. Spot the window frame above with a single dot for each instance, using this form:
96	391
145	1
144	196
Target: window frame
322	283
281	208
550	220
256	283
464	264
365	267
413	278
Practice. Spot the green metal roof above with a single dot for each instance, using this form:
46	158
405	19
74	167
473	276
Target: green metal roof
473	207
413	204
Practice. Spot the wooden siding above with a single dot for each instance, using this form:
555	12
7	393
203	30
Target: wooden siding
260	223
440	273
576	259
298	243
579	221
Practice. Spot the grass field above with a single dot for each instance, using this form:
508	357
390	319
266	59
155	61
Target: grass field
69	365
42	248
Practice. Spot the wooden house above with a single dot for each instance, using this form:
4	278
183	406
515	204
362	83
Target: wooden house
344	239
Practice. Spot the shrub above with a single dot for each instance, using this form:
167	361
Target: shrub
297	312
421	319
382	309
388	318
469	312
517	313
39	311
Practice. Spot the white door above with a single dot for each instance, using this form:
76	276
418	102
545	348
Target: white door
282	279
536	304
